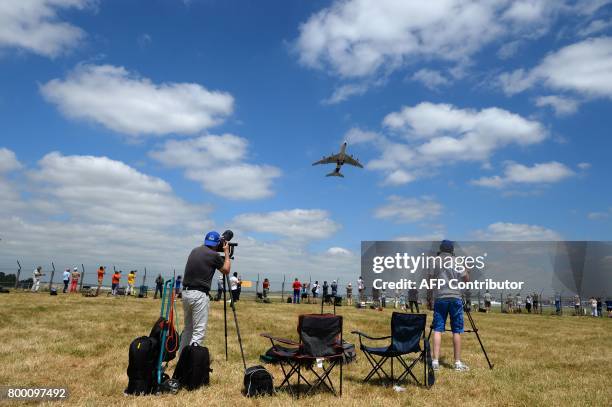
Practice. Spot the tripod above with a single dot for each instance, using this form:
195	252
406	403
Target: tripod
474	330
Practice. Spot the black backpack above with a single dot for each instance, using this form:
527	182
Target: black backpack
171	338
193	367
258	382
142	367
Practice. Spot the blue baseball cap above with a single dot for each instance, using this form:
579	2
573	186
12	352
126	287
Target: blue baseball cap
212	239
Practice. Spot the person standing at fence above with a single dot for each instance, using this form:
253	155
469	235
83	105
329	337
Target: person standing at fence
325	292
131	279
296	291
36	276
413	299
349	294
361	289
519	303
266	287
599	307
115	282
593	303
75	280
200	269
159	286
234	281
487	301
577	304
66	280
315	290
239	288
448	302
334	289
528	303
536	302
101	272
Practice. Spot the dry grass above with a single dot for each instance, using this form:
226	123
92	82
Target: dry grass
82	343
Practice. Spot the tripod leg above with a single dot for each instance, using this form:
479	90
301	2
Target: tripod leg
478	337
225	316
233	306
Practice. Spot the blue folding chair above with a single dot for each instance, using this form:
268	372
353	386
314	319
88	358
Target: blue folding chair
407	332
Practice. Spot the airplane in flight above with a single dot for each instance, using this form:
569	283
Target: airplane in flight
339	159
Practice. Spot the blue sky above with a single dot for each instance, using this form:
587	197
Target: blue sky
475	120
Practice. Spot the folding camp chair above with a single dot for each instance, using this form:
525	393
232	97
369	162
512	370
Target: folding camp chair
407	330
320	341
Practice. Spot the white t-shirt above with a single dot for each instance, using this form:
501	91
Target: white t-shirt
66	275
234	283
360	284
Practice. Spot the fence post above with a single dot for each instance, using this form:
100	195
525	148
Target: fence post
144	278
18	274
257	286
283	290
52	274
82	277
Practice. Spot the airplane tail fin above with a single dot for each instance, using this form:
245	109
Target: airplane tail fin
335	174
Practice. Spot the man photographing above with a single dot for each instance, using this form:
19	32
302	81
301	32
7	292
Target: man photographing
199	272
448	301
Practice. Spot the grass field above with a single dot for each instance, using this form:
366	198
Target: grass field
82	343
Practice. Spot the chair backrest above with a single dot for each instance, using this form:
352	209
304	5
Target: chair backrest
406	331
320	334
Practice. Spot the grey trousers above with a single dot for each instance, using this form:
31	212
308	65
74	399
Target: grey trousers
195	309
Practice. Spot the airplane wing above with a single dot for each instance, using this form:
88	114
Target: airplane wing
328	160
352	161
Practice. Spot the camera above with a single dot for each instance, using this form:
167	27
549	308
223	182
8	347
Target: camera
226	237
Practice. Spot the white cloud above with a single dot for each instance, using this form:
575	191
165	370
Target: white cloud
425	237
584	166
92	210
598	215
504	231
338	251
399	177
8	161
508	50
595	27
35	26
462	134
562	106
357	136
584	68
99	189
404	210
358	38
132	105
542	173
217	163
434	135
294	224
430	78
345	91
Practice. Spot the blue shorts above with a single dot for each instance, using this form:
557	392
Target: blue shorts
445	306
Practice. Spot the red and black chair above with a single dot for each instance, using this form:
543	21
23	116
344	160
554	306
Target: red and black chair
314	357
407	332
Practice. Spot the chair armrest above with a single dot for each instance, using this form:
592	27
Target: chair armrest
281	340
370	337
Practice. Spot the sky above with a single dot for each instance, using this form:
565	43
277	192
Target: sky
128	130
